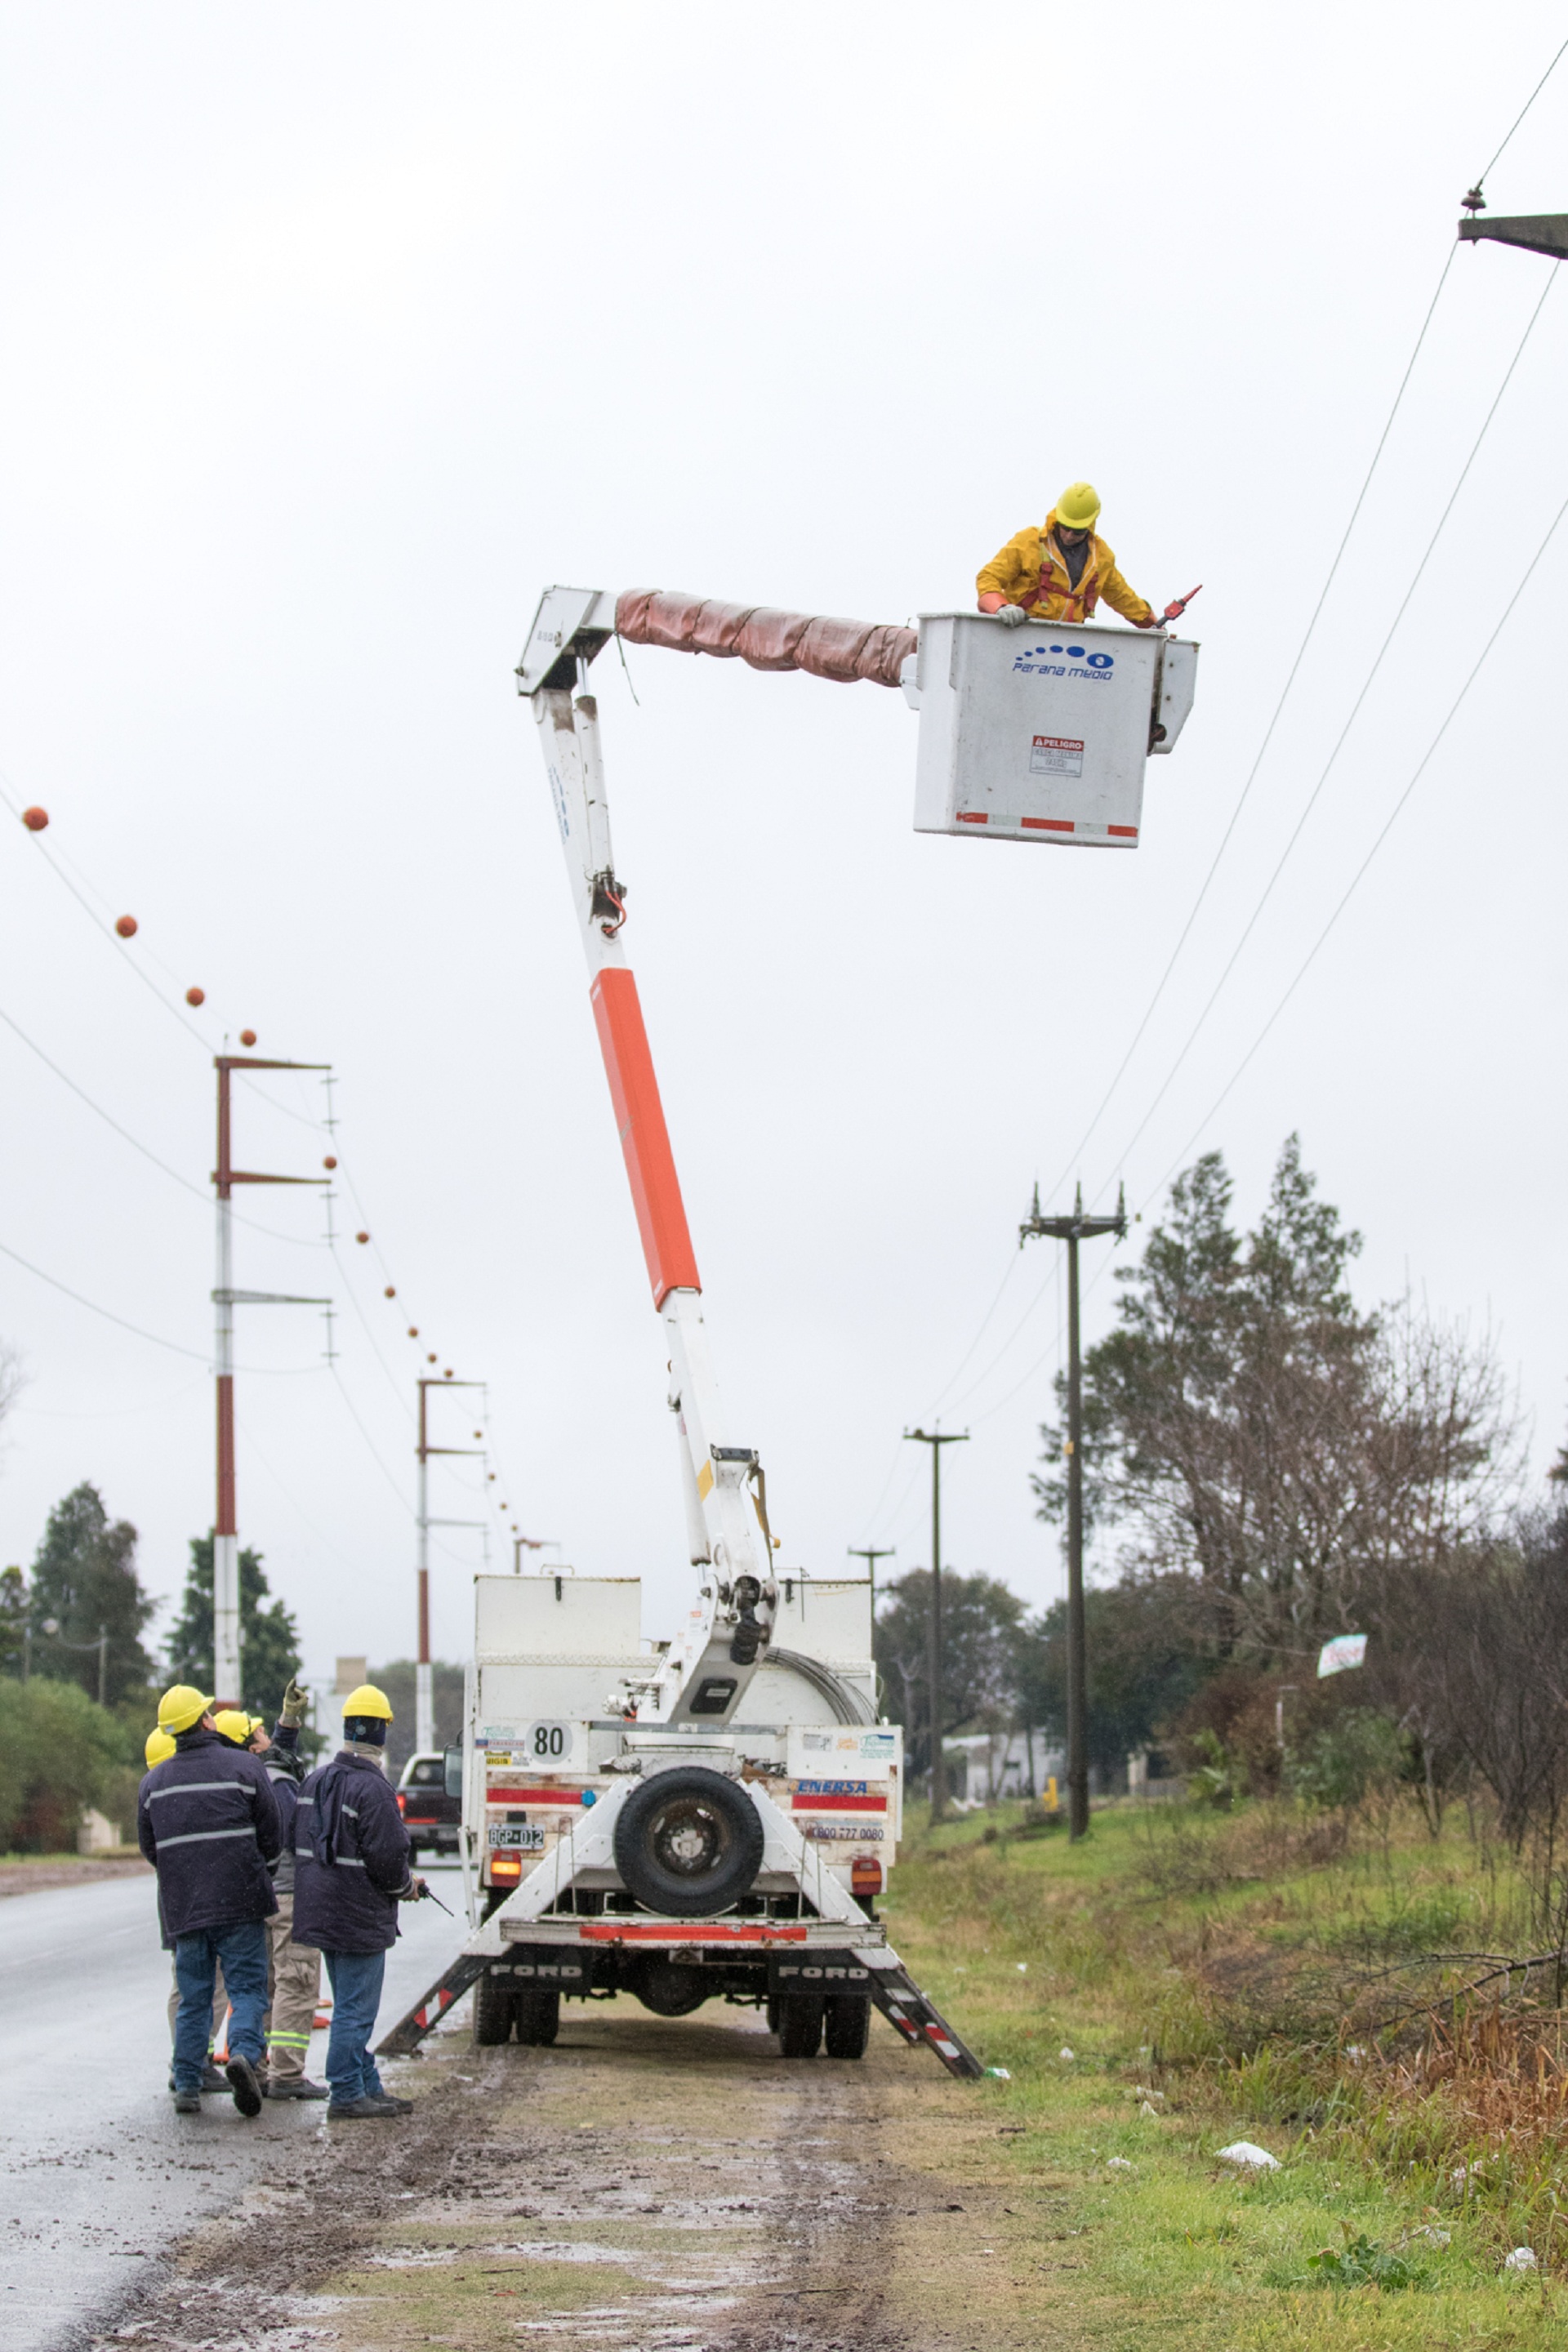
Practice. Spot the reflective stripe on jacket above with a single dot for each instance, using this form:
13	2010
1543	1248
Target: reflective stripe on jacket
1031	570
350	1904
208	1820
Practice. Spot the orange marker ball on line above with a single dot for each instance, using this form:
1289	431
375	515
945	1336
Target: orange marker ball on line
448	1373
35	819
126	926
429	1359
329	1162
414	1330
390	1291
362	1237
248	1037
196	996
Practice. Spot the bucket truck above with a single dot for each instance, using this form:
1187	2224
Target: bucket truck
717	1817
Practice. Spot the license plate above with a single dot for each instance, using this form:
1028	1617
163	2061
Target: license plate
525	1837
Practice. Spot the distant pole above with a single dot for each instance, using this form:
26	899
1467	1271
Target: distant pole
424	1681
936	1440
870	1555
225	1526
103	1665
1072	1230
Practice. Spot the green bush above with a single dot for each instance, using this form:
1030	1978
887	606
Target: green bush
58	1752
1342	1760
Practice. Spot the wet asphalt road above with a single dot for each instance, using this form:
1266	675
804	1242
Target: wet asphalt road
100	2174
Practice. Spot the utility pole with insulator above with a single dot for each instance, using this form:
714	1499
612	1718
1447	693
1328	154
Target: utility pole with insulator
872	1555
1072	1230
936	1440
226	1299
424	1680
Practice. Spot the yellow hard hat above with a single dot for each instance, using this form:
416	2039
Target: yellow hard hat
1079	506
182	1709
368	1700
235	1724
160	1748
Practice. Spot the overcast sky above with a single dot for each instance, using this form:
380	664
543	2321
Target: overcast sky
334	333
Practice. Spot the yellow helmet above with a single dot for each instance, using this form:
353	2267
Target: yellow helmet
368	1700
160	1748
235	1724
182	1709
1079	506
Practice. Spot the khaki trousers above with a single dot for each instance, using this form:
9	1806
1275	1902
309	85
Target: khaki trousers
294	1983
220	2009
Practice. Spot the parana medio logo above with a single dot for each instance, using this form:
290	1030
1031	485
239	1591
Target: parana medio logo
1035	657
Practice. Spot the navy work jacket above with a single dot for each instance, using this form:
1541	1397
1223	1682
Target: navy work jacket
349	1904
285	1768
208	1820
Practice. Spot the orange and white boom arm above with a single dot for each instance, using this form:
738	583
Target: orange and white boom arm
704	1673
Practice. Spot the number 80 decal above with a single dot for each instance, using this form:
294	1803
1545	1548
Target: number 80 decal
548	1743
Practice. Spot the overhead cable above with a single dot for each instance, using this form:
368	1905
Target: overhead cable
1530	101
1075	1155
1383	835
1174	1067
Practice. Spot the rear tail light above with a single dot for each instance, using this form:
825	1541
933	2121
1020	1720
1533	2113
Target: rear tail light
866	1874
506	1865
402	1802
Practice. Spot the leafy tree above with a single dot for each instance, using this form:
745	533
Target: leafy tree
1143	1666
59	1752
84	1580
981	1622
12	1620
1265	1439
269	1639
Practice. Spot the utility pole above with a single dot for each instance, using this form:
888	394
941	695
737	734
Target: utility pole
520	1544
870	1555
1072	1230
423	1685
936	1440
226	1299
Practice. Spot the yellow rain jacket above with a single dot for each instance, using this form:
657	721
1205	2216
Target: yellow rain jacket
1031	570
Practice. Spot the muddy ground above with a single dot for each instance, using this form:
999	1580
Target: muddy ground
30	1877
647	2184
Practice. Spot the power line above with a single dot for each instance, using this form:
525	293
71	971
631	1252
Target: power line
198	1355
1252	919
1385	830
1524	109
1075	1155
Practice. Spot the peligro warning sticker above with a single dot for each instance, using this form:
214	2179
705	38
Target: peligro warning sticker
1056	755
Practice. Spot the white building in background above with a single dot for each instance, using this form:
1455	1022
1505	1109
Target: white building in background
985	1766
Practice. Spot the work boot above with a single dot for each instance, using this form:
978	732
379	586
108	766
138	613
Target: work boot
213	2078
360	2110
243	2084
394	2106
293	2087
187	2103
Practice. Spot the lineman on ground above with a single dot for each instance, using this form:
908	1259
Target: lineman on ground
159	1746
351	1856
1059	571
296	1969
207	1820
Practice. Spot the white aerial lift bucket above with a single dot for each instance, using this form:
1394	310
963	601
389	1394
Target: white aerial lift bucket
1040	733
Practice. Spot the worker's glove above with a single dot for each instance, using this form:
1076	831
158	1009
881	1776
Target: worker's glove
1012	616
295	1702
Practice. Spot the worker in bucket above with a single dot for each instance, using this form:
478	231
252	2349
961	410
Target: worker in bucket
1060	569
208	1822
351	1873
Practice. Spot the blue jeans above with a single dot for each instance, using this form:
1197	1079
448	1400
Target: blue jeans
355	1979
242	1949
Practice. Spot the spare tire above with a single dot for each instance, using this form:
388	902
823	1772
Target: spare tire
688	1842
